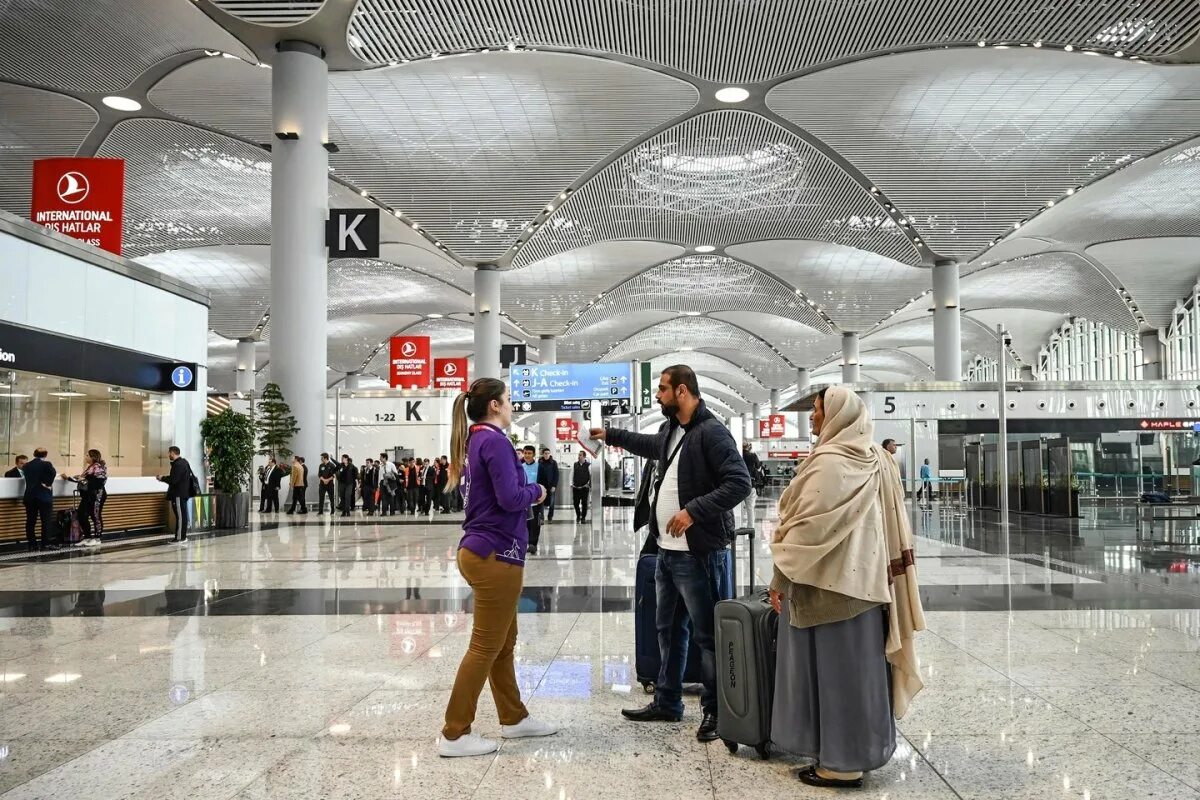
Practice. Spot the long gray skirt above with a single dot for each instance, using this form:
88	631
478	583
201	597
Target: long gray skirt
833	693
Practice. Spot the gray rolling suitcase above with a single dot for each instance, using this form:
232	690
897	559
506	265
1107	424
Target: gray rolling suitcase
747	628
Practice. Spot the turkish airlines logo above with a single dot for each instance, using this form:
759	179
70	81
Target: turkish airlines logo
450	368
73	188
408	349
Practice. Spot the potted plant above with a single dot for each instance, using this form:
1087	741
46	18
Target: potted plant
229	440
276	424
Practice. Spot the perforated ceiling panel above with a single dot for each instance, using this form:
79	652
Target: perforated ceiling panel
1157	196
710	336
1156	272
720	369
590	343
698	283
238	279
1030	329
918	333
472	148
716	179
544	297
35	124
969	142
1059	282
724	40
798	342
186	187
100	45
853	287
352	340
275	13
894	361
368	286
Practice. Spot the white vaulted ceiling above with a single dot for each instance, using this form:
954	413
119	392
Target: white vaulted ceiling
578	147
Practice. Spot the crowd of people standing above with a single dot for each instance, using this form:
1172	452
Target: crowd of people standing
379	487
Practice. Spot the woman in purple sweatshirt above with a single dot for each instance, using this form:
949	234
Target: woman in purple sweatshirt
491	557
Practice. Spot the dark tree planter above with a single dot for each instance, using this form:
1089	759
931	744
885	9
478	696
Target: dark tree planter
991	497
233	510
1063	502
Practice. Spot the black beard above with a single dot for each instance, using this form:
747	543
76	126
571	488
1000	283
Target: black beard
669	411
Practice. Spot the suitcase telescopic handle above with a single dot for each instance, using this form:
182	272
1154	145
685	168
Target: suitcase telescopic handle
749	534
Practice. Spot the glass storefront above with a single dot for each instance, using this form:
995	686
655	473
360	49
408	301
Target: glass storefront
131	428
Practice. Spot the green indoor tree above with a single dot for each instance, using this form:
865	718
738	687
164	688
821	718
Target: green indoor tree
229	440
276	425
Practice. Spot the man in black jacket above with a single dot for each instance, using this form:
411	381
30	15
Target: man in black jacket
443	480
699	479
326	473
551	467
369	481
274	481
581	486
347	482
179	490
39	497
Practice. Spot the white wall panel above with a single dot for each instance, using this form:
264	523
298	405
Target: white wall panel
111	312
14	278
56	293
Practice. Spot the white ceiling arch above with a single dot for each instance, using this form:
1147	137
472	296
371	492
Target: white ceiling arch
726	42
721	369
914	334
471	148
698	283
852	287
720	178
968	142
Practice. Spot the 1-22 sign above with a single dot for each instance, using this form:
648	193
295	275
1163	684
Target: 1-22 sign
385	417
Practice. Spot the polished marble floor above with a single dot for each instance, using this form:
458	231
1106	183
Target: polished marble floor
313	660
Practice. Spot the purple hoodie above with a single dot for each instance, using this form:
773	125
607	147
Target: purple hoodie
497	497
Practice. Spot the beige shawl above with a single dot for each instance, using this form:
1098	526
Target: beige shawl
843	528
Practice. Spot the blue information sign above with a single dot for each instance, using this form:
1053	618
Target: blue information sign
570	387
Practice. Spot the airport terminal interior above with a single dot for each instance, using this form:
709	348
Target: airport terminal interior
255	230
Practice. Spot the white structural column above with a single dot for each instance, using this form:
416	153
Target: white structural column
487	322
947	323
245	365
299	207
350	384
803	417
760	413
850	357
1152	355
547	354
774	401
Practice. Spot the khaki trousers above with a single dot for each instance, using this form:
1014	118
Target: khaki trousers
497	588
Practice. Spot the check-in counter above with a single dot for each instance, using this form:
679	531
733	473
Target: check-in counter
132	504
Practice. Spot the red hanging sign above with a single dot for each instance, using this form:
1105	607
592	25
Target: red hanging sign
566	429
450	373
778	426
81	197
772	427
409	362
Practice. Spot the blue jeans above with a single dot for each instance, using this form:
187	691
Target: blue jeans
687	586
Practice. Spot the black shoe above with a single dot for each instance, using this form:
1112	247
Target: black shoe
707	732
651	713
809	776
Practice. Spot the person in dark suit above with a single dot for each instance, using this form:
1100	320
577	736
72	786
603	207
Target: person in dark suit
551	474
274	480
442	499
369	480
414	485
39	497
18	465
179	491
348	480
429	486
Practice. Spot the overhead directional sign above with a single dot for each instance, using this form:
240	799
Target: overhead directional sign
352	233
571	387
646	386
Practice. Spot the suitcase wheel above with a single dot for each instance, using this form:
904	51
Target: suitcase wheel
763	752
731	746
648	687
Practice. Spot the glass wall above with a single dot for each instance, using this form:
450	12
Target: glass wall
984	370
1182	352
1082	350
132	429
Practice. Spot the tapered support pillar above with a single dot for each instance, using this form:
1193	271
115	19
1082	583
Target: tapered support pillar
850	357
487	322
947	323
547	354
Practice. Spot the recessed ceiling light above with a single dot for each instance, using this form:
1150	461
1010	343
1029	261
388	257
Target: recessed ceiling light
691	313
732	94
122	103
705	248
435	316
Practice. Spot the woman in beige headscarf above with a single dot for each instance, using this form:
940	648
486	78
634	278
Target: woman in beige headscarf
846	589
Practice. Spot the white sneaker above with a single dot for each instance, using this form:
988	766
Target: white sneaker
469	744
527	728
